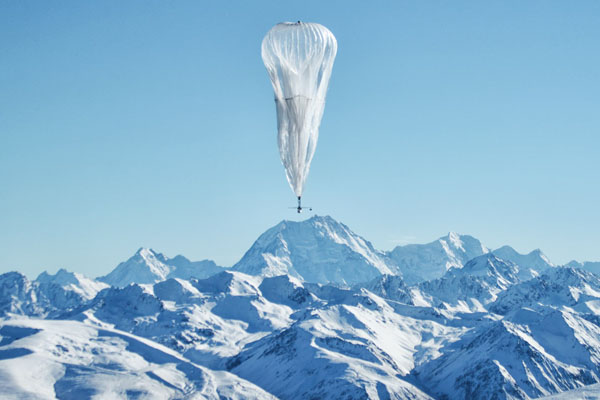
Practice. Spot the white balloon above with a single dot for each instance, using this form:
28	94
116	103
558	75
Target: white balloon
299	57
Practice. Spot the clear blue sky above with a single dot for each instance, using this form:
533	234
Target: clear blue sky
152	123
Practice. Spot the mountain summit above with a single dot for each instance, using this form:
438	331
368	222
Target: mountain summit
82	285
535	260
318	250
147	266
423	262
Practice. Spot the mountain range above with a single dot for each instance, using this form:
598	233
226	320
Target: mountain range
312	310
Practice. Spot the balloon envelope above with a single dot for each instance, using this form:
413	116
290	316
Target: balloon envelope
299	58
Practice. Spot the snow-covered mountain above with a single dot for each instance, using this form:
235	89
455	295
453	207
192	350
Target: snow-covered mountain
592	266
534	355
78	283
332	353
311	311
558	287
535	260
207	320
318	250
422	262
20	296
147	266
186	269
390	287
476	284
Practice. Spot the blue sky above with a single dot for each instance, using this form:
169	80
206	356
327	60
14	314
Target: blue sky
151	123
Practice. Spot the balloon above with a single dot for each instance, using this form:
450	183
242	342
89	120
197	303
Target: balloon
299	58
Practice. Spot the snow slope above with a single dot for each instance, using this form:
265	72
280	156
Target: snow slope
43	359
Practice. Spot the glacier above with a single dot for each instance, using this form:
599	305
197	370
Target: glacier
311	310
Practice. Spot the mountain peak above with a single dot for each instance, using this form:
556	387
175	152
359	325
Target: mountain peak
148	266
506	248
144	252
319	249
464	243
145	266
454	237
72	281
12	276
535	260
317	217
488	262
482	259
61	277
148	254
180	259
592	266
315	220
422	262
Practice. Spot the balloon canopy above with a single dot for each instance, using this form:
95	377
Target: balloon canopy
299	58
